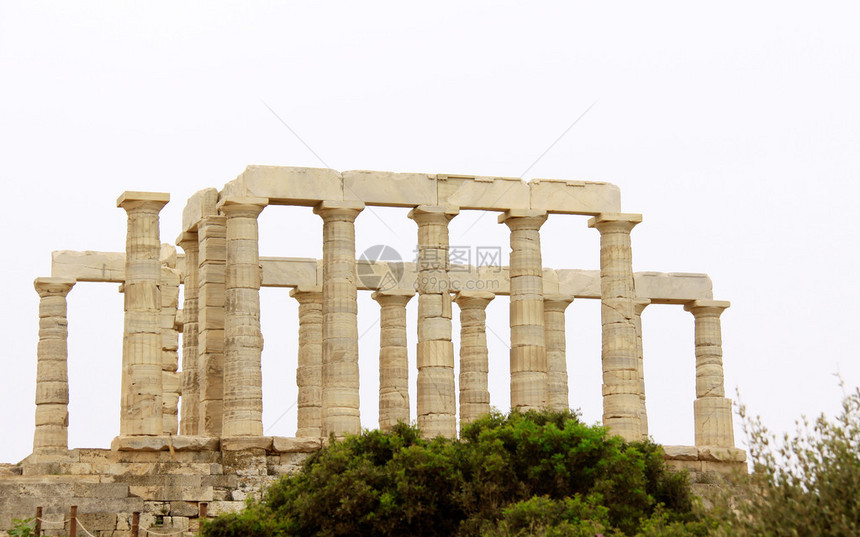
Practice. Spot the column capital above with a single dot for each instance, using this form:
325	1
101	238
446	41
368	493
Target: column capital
473	299
133	201
53	286
393	297
433	214
556	302
639	304
187	240
249	207
614	222
339	210
307	293
705	307
523	218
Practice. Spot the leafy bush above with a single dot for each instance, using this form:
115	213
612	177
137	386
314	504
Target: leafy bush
533	473
805	485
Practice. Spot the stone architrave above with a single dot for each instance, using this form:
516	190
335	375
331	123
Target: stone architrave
435	356
639	306
340	393
190	412
212	244
309	370
243	340
170	378
621	400
556	350
393	358
712	409
51	438
474	357
528	340
142	407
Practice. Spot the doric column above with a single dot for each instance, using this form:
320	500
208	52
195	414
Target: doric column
170	379
621	402
190	414
712	409
340	398
52	379
393	358
474	362
142	355
639	306
556	350
212	243
243	341
436	398
528	341
309	370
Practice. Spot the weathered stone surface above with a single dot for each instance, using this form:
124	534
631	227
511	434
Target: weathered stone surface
574	197
282	444
164	443
721	454
681	453
240	443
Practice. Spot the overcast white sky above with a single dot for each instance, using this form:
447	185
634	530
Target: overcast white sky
734	130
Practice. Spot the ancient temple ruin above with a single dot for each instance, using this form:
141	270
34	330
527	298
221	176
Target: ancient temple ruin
191	429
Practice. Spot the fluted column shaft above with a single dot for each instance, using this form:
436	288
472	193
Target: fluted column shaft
528	340
212	259
435	356
141	412
190	411
474	359
712	409
556	351
52	379
393	358
170	378
621	401
639	306
309	370
243	341
340	396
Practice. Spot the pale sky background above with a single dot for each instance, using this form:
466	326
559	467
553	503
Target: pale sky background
735	131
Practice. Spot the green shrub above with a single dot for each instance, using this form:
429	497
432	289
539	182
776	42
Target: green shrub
507	475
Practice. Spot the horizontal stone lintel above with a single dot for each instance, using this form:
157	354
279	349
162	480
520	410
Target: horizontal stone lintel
658	287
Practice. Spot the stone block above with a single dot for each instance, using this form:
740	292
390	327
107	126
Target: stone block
721	454
574	197
240	443
287	185
88	266
200	204
484	193
220	508
281	444
681	453
389	188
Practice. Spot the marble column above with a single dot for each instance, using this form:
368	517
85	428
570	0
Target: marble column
621	401
474	360
190	410
170	378
528	340
142	355
712	410
309	370
393	358
243	341
435	386
51	437
340	394
212	243
639	306
556	350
